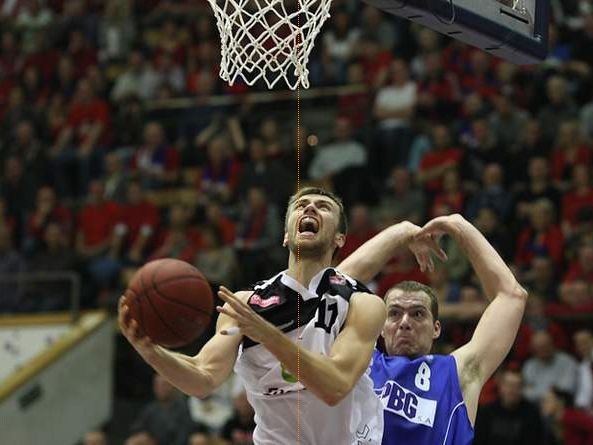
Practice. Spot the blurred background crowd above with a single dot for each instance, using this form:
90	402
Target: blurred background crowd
120	144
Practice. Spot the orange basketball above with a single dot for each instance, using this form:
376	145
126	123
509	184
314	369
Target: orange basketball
171	301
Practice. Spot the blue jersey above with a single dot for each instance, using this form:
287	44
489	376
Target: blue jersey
422	400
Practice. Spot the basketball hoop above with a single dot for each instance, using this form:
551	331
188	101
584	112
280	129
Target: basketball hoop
268	40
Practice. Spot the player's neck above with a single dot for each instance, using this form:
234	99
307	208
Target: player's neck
304	269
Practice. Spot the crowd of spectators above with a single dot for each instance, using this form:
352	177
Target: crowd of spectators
98	175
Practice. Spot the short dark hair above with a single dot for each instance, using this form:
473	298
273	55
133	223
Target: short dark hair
343	223
415	286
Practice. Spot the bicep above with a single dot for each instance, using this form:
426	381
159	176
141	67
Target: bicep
352	350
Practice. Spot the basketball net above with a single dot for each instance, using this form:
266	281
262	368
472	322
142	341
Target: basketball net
268	40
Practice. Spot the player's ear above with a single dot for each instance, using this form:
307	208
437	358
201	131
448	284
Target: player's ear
437	330
285	240
340	240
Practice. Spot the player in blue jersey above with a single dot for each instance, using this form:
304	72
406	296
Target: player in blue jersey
433	399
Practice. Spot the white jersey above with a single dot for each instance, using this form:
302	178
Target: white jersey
275	394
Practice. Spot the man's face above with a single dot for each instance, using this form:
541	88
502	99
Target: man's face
583	343
510	388
312	225
542	346
409	329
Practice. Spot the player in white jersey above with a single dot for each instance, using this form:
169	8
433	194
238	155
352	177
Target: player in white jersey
333	401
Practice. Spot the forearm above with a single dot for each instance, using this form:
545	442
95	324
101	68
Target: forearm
316	372
369	259
182	371
493	273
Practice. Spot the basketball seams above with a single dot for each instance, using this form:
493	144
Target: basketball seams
151	303
155	287
182	314
181	277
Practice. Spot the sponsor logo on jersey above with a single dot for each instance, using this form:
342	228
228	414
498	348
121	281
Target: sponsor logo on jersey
257	300
398	400
287	376
338	279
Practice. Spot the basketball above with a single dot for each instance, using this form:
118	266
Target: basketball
171	301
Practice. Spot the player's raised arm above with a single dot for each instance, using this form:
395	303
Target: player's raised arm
497	329
369	259
330	378
199	375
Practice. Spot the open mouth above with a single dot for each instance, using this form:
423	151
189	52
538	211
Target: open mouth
308	226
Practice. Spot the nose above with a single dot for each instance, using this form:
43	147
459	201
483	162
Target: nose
405	322
309	209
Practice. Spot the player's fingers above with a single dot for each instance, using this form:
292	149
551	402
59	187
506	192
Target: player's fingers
433	244
136	332
228	297
123	318
228	293
420	260
228	311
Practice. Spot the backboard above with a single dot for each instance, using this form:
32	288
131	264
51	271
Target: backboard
515	30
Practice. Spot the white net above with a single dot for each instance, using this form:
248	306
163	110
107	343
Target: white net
268	40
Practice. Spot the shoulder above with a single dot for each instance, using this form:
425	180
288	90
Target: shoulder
243	295
367	310
337	279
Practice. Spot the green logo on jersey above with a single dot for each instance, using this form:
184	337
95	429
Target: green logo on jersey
287	376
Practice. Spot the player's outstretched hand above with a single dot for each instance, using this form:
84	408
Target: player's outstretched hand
451	225
130	329
424	247
248	322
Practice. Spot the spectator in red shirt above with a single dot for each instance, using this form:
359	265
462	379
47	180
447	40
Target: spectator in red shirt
580	196
438	90
138	222
537	320
180	239
221	172
452	197
226	227
541	237
565	424
258	236
96	223
569	152
403	267
47	210
155	164
539	186
78	144
576	298
442	158
479	78
84	55
360	230
582	267
374	60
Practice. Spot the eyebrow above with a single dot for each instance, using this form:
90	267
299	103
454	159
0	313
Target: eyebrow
317	201
397	306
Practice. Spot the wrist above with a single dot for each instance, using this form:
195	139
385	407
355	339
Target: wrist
403	232
271	336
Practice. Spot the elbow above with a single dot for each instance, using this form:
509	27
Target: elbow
333	399
337	394
520	293
201	394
